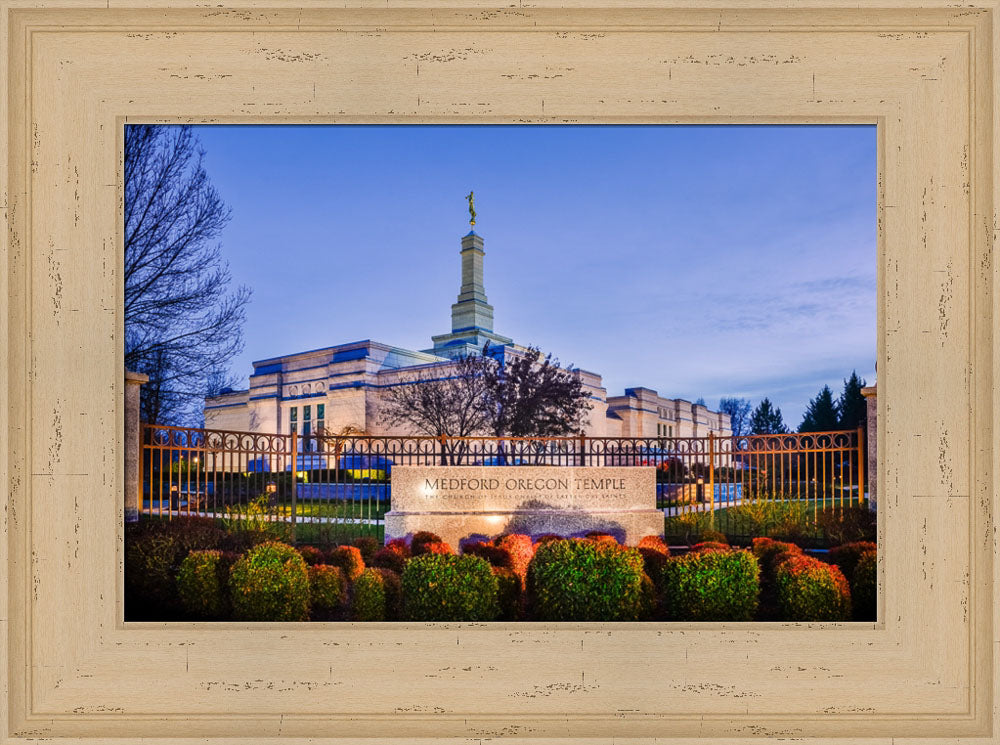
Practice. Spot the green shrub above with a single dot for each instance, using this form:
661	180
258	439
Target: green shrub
367	546
445	587
312	555
863	586
520	548
348	558
711	586
846	556
581	580
509	592
201	584
496	556
154	550
270	583
377	596
327	587
811	590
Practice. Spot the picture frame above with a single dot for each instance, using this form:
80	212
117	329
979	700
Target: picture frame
78	70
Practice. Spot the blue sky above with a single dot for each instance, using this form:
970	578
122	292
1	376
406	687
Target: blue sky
700	261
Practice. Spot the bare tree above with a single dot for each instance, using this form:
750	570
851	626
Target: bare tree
182	324
440	400
739	414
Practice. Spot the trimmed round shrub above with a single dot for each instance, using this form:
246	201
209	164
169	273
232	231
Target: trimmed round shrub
435	547
654	552
811	590
327	587
154	550
367	546
312	555
600	535
863	584
377	596
270	583
520	548
770	552
422	538
710	546
393	556
509	591
847	555
496	556
547	538
445	587
201	584
349	559
581	580
711	586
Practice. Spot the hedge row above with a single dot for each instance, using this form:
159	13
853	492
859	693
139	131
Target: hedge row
508	578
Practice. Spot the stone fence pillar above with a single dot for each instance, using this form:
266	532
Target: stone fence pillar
133	448
872	434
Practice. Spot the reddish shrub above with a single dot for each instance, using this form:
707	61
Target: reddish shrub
600	536
393	556
312	555
705	546
367	546
435	547
546	538
422	537
377	596
349	559
770	552
655	543
520	548
496	556
811	590
846	556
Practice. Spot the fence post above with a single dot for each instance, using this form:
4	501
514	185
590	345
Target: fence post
133	446
861	464
295	478
583	449
871	397
711	478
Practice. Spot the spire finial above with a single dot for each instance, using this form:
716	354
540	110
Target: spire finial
472	209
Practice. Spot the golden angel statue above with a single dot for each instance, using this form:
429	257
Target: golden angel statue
472	208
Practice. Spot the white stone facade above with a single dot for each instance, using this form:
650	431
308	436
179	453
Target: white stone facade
338	387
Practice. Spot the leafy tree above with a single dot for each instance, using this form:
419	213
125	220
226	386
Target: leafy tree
766	420
821	413
182	324
529	394
739	414
700	402
852	406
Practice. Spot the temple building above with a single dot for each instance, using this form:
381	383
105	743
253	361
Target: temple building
337	388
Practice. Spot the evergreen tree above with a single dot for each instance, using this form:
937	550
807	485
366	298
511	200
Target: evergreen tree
852	405
766	420
821	413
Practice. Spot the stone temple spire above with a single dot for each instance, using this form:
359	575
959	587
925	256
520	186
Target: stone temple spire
472	315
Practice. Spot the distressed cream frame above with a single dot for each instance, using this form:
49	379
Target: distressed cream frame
76	70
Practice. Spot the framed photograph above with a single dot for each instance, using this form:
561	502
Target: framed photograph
84	83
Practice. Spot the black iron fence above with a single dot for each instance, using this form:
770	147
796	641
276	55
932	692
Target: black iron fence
328	488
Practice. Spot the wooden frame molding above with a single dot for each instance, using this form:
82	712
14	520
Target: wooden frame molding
77	70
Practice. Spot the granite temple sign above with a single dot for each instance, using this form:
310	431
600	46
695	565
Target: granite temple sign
462	503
